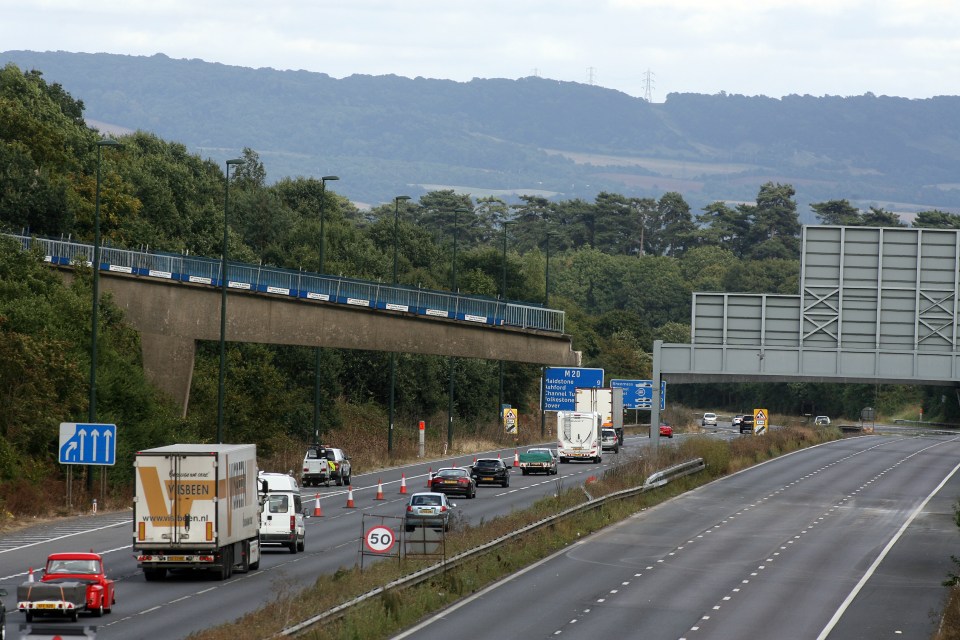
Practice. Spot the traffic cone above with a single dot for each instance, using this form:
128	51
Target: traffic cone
350	498
30	577
379	490
403	483
316	509
516	458
429	476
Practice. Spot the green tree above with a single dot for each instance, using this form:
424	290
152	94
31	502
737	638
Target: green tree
837	212
936	219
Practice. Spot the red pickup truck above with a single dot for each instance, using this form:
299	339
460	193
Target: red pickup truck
72	583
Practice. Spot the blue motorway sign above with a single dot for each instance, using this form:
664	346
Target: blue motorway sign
638	394
88	443
560	392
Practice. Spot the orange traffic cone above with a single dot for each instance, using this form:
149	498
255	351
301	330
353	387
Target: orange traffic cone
350	498
516	458
30	577
316	509
379	490
429	476
403	483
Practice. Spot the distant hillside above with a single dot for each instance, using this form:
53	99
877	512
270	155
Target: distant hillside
388	135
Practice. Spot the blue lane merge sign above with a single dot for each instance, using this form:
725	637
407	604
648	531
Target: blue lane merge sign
638	394
88	443
560	392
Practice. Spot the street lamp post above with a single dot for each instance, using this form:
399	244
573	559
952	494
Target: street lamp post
92	406
224	280
393	354
543	379
316	351
95	311
503	299
453	291
323	197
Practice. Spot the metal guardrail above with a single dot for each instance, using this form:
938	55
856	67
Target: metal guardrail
302	285
654	481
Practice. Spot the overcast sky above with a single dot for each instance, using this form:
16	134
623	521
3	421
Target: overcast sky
908	48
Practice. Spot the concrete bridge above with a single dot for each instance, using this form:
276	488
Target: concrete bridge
171	316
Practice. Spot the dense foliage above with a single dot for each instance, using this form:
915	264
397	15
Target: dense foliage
623	269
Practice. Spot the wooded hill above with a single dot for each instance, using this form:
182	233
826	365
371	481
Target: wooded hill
621	267
386	135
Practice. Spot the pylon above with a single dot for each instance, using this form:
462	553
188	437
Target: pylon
516	458
350	498
429	476
403	483
379	490
317	512
30	577
474	459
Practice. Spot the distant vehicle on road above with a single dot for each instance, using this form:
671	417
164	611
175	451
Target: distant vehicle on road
746	423
72	583
737	419
454	480
491	471
609	440
666	431
822	421
709	420
428	509
539	459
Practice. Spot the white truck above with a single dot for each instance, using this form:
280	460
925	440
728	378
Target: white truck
608	402
578	436
196	506
323	463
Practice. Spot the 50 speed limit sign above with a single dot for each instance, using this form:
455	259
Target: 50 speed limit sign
379	539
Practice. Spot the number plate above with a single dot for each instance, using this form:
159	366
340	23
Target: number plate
175	558
46	605
449	482
488	479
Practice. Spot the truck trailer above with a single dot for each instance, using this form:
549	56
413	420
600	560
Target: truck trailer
196	507
608	402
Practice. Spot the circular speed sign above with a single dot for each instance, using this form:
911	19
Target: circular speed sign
379	539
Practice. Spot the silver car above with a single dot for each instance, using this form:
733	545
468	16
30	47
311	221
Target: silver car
709	419
428	509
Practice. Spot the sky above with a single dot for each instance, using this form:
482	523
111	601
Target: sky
644	48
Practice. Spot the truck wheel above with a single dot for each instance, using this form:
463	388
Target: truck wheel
98	612
292	546
346	480
74	616
339	481
302	545
525	471
153	575
29	616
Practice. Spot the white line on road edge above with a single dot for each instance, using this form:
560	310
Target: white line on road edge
883	554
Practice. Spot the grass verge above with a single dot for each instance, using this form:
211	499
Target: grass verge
390	613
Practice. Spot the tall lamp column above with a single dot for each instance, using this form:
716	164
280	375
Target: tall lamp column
393	354
94	323
543	379
453	291
224	281
95	312
503	300
316	351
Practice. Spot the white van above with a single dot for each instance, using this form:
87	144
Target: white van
282	518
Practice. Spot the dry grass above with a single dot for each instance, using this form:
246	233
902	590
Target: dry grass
386	615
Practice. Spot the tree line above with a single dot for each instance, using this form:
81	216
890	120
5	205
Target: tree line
622	268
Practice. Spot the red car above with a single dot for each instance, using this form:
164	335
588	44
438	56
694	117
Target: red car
72	583
454	480
666	431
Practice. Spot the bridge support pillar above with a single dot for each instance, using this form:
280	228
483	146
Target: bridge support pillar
168	364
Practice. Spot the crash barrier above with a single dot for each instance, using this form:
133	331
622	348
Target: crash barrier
301	285
654	481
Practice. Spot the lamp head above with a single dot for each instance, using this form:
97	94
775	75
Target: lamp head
107	142
328	178
399	198
234	161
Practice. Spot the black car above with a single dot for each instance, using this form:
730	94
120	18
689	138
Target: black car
746	423
491	471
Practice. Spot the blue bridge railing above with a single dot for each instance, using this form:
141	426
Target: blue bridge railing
302	285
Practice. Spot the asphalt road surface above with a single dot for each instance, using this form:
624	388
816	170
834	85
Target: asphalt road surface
846	540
